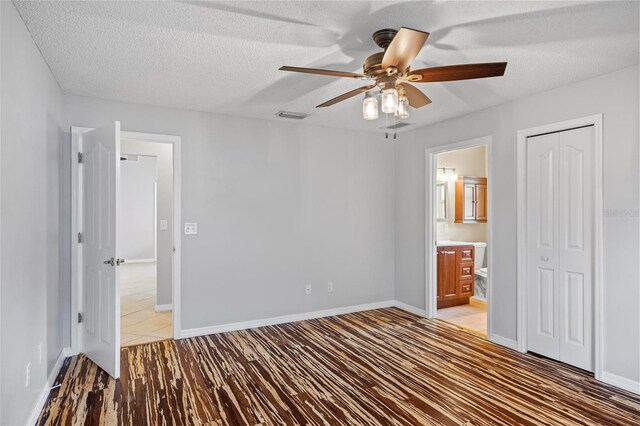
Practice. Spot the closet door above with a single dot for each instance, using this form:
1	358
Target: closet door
560	184
575	246
542	250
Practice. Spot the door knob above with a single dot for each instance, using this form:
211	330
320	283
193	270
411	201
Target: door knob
111	262
119	262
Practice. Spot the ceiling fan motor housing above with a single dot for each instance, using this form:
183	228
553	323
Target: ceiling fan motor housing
383	37
373	64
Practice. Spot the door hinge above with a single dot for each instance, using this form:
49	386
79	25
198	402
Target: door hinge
80	157
80	318
80	237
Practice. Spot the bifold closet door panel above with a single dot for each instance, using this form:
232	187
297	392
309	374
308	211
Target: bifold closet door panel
542	251
575	231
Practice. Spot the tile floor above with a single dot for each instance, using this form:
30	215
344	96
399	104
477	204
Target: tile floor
472	317
139	322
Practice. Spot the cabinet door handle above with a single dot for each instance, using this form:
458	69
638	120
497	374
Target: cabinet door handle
544	258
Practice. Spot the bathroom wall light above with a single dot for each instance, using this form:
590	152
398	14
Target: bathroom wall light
449	173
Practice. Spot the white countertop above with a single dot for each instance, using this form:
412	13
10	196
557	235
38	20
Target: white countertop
447	243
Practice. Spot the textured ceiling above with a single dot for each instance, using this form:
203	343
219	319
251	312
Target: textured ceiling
224	56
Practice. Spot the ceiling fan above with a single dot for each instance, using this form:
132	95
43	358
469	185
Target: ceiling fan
391	72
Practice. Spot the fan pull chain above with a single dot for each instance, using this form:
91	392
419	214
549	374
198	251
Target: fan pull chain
394	126
386	125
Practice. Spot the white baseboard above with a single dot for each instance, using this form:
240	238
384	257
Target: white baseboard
503	341
44	393
203	331
411	309
139	261
620	382
164	308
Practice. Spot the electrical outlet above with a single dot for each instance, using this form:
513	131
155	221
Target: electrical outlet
40	353
27	375
164	224
307	289
330	287
190	228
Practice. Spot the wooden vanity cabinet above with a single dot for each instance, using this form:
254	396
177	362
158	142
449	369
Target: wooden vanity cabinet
455	275
471	200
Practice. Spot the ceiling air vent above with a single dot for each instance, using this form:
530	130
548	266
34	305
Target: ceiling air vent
292	115
396	126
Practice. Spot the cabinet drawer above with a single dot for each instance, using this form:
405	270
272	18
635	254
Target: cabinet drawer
466	288
466	254
466	272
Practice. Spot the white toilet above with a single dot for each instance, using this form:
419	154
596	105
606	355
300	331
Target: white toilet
480	266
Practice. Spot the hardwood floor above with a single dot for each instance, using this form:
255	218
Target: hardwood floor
383	367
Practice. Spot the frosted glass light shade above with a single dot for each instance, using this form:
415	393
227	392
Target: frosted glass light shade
403	108
389	101
370	107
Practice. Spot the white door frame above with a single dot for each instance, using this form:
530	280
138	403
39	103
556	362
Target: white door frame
76	220
430	223
598	217
76	253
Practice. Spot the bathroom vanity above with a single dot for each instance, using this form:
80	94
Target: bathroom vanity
455	273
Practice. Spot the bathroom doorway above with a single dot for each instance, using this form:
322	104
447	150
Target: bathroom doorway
458	214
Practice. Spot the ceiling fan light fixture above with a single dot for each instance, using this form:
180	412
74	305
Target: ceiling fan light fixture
402	112
370	106
390	70
389	101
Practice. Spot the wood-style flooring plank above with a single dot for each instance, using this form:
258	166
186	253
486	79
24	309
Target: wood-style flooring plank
381	367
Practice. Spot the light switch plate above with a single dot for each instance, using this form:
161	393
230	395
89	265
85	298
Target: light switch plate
164	224
190	228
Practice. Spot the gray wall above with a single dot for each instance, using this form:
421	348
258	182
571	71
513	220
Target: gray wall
136	225
615	95
278	206
30	278
164	266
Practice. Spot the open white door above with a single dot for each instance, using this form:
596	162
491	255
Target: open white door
100	275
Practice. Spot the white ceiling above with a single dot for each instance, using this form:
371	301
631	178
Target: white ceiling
224	56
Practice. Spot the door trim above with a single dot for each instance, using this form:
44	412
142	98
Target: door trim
598	217
76	253
431	288
76	219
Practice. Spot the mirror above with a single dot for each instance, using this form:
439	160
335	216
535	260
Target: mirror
441	201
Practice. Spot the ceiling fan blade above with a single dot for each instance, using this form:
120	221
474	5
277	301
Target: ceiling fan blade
323	72
458	72
416	98
345	96
403	49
